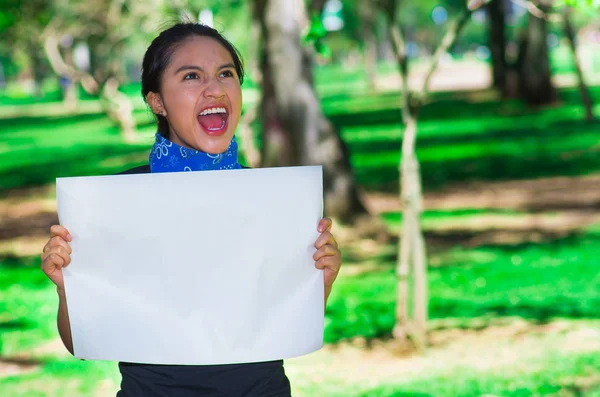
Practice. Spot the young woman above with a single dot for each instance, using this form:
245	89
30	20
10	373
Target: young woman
191	79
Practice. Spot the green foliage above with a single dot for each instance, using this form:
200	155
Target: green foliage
579	3
314	36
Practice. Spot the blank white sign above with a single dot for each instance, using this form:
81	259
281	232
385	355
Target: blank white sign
211	267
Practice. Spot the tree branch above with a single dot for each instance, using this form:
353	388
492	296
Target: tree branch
399	47
447	42
536	11
60	66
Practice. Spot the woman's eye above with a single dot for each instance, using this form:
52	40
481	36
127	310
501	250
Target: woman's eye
190	76
227	73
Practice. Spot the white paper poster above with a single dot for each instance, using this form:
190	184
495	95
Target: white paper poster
211	267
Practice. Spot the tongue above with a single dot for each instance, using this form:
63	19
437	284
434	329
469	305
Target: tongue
211	121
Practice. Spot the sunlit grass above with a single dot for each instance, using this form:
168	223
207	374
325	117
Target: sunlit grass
459	139
535	281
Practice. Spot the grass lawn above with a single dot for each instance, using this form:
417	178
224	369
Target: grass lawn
469	288
541	283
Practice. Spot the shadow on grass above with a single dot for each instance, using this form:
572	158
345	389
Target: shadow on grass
436	174
66	121
562	131
22	271
558	144
78	160
443	106
14	325
442	110
535	281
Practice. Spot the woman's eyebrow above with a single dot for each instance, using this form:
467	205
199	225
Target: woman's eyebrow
193	67
189	67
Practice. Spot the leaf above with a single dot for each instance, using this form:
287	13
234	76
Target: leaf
323	50
316	30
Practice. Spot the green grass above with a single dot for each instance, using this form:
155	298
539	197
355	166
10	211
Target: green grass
64	378
538	282
553	279
27	305
551	374
42	149
434	219
459	139
541	377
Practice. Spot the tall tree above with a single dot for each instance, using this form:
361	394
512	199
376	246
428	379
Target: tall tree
533	65
368	16
562	14
295	130
412	258
583	88
21	25
497	42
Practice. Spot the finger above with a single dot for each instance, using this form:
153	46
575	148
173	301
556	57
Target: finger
58	230
58	241
51	262
325	225
64	254
325	238
326	250
332	263
57	257
46	247
52	265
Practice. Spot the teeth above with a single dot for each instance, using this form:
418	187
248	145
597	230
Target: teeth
212	111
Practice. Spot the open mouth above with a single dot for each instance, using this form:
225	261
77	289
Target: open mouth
214	120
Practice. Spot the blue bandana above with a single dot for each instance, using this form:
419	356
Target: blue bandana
167	156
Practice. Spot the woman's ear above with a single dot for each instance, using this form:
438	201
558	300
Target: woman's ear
156	104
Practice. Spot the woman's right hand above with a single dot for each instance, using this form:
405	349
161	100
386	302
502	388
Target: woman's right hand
57	254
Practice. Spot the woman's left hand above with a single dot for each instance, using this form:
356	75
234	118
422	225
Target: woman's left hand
328	257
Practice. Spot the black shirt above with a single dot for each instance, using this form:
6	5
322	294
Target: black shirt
265	379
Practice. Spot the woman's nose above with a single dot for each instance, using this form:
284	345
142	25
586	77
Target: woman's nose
214	89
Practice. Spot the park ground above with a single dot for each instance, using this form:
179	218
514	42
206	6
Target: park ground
512	222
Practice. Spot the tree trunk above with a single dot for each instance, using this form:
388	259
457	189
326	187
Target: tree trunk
295	131
535	84
69	91
119	108
410	198
412	253
583	89
115	104
251	151
369	41
497	42
36	70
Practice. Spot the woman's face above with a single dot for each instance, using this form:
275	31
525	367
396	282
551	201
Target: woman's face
200	96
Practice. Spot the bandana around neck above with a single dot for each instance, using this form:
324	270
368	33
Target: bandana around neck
167	156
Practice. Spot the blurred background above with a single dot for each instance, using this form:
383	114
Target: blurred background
460	146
